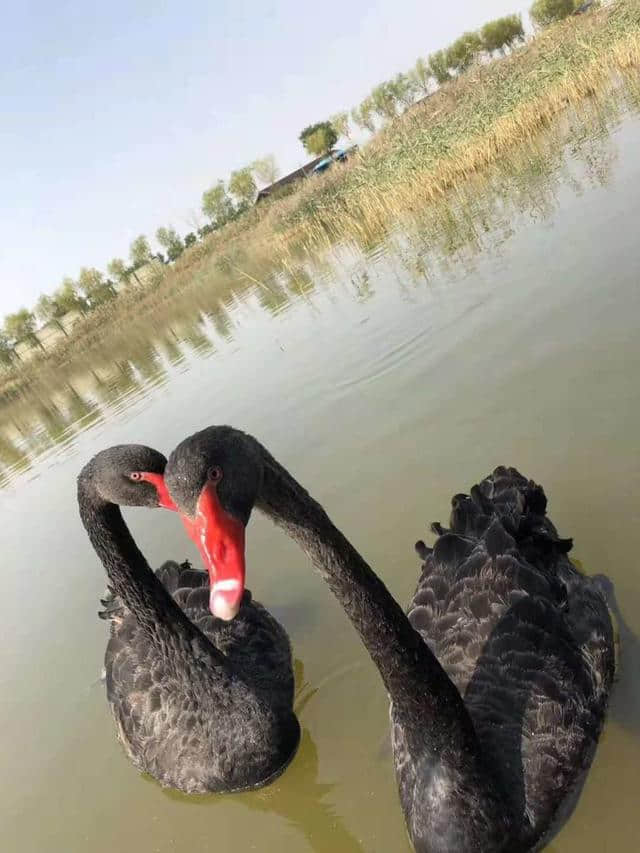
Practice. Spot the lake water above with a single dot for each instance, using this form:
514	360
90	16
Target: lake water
386	380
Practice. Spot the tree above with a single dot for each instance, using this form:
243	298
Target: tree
48	310
118	269
217	205
21	326
340	123
502	33
140	252
385	101
363	115
6	350
404	89
422	76
67	297
96	289
170	240
190	239
318	138
439	67
463	51
545	12
266	169
243	186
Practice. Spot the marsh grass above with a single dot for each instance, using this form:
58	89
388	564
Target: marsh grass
408	171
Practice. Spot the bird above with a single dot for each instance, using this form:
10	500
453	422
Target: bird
499	672
201	704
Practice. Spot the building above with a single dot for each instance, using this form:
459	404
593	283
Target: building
292	177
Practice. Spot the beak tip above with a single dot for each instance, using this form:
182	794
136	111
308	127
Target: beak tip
222	608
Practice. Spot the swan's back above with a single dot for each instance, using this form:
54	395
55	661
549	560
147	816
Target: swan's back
525	637
163	723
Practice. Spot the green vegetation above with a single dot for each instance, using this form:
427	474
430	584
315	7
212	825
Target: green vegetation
140	252
242	185
545	12
217	205
170	241
318	138
470	118
502	33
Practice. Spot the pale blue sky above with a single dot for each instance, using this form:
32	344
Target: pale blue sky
114	117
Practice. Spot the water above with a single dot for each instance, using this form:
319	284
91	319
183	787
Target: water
385	381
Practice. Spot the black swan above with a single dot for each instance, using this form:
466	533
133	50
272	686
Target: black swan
200	704
499	675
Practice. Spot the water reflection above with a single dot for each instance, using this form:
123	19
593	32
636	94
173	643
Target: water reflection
479	217
298	796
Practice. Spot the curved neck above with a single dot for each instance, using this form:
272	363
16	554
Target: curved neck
134	582
423	695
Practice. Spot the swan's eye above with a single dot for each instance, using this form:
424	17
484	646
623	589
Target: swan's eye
214	474
135	475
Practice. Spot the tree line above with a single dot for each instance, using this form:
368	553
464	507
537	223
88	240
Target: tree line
223	202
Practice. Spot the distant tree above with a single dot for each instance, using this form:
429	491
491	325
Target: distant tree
340	123
48	310
6	350
243	186
545	12
439	67
206	229
21	326
118	270
404	89
422	76
190	239
318	138
68	298
363	115
140	252
96	289
170	240
385	100
463	51
502	33
217	205
266	169
160	257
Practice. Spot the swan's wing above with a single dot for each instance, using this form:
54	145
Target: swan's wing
525	638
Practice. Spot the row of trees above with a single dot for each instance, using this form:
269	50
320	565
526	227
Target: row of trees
391	97
93	288
222	202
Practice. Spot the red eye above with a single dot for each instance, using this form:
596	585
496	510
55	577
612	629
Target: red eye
135	475
214	474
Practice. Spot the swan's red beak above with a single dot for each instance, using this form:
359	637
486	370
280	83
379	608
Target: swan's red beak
220	540
157	480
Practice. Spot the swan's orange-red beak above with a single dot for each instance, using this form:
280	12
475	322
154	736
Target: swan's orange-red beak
220	540
157	480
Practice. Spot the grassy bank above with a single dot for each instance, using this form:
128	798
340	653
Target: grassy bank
415	161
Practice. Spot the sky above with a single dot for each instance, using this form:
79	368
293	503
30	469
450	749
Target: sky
115	117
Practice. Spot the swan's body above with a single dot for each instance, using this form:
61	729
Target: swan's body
528	642
499	677
200	704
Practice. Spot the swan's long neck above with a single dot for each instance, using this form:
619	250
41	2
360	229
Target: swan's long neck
134	582
420	689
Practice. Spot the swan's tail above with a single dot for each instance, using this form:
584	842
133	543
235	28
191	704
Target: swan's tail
505	510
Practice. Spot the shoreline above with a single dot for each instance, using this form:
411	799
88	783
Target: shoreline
433	148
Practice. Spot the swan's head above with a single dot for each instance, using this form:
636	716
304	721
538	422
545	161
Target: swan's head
129	475
214	478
